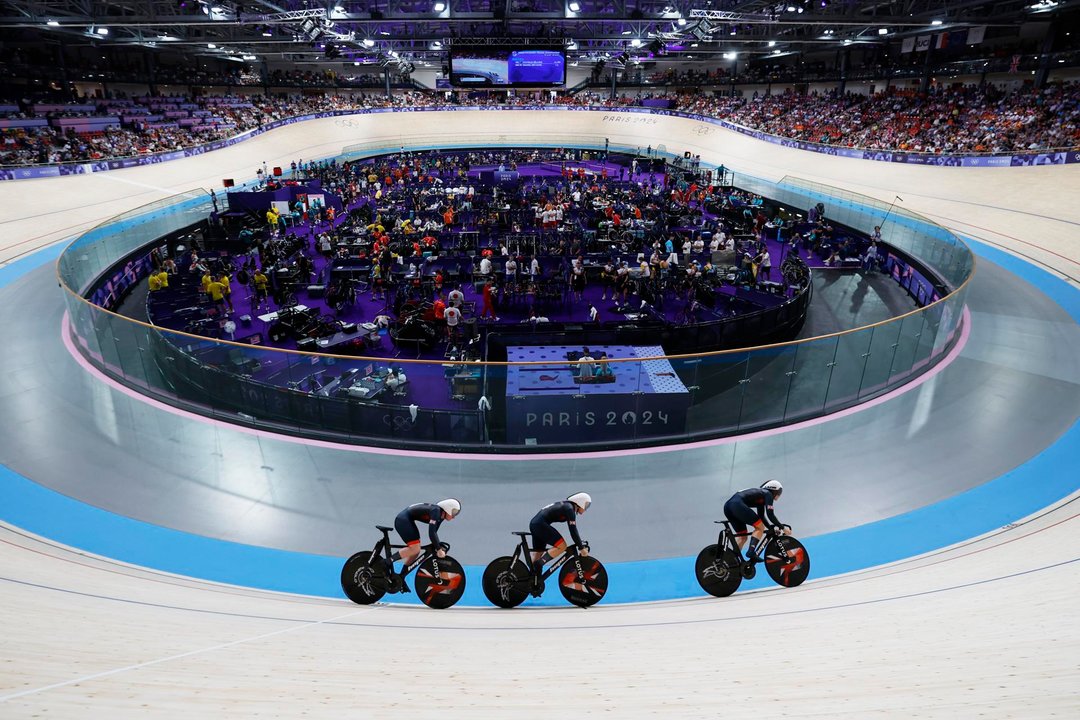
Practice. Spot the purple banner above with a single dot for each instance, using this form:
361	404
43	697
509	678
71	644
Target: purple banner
620	115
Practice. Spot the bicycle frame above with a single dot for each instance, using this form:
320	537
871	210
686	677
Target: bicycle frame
383	548
726	540
522	551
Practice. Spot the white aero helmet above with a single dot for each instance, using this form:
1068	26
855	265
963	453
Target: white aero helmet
774	486
582	500
450	506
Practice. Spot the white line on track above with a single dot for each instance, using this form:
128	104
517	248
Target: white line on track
170	658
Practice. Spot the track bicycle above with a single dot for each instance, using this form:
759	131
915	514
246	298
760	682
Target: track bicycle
720	568
368	575
508	580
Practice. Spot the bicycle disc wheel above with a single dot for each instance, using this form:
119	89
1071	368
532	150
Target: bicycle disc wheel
440	582
718	576
787	561
363	580
583	581
505	582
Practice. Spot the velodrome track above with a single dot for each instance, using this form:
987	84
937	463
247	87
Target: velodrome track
987	626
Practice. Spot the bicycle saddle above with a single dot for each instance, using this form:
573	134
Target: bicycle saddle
522	534
384	529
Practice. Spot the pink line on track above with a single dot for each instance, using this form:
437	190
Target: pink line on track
965	333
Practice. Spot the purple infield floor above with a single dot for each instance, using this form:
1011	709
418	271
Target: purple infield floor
513	311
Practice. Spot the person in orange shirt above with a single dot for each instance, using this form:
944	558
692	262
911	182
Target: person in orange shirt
448	217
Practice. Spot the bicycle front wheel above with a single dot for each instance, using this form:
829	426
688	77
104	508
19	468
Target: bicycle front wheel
787	561
440	582
506	582
717	574
583	581
363	578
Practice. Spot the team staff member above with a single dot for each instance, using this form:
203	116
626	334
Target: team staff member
217	295
261	282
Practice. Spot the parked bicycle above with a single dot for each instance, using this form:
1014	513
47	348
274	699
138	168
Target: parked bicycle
508	580
721	568
368	575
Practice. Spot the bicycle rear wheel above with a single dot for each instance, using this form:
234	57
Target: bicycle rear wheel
506	582
787	561
440	582
583	581
364	579
718	575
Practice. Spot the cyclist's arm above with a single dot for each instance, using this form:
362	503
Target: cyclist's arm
765	512
573	531
433	531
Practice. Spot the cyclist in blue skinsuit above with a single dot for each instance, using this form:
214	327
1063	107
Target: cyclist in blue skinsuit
431	514
754	507
544	535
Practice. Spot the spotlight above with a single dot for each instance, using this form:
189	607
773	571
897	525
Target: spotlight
440	6
574	7
368	42
772	43
682	21
212	46
53	23
935	22
102	31
635	43
883	31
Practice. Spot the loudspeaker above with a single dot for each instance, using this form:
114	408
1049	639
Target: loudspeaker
316	291
306	344
228	182
277	172
245	320
348	327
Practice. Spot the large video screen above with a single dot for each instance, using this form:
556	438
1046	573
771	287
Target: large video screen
494	67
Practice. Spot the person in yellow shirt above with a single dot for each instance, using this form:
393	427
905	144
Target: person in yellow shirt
163	278
272	219
261	282
217	295
206	280
155	282
226	290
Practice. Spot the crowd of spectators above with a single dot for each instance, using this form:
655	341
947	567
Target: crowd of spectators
946	120
968	119
50	144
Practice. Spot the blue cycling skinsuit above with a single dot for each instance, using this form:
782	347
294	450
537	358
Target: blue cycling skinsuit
405	522
540	526
750	507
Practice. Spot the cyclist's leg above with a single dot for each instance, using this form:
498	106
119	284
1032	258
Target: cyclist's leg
759	530
410	536
740	515
544	535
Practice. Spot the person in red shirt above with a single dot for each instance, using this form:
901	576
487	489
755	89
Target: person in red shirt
489	305
440	308
448	217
